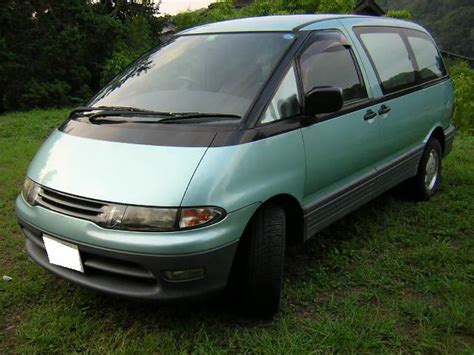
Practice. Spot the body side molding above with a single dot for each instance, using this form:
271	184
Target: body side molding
327	210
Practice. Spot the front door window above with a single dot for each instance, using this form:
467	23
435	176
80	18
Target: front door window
329	62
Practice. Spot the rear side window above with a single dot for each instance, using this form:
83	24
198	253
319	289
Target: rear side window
390	57
327	62
427	56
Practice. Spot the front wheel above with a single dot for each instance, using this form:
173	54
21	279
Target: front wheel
426	182
263	277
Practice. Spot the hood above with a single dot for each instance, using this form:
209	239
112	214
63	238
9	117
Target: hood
117	172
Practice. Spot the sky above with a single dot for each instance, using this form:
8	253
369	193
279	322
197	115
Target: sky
172	7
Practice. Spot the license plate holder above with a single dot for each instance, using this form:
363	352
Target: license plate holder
63	254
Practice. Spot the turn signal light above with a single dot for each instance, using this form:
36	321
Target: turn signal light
194	217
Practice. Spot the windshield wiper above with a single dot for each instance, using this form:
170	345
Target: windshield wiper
104	115
114	111
96	117
107	117
115	119
191	115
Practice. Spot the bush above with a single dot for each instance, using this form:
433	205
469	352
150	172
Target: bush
42	94
463	78
400	14
225	10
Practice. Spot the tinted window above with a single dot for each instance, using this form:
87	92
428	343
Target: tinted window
327	62
390	57
285	103
428	58
201	73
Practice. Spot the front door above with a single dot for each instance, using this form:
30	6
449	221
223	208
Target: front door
341	149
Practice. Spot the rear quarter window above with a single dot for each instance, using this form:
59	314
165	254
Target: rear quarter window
390	57
428	58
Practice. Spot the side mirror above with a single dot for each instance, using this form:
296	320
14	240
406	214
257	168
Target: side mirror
324	99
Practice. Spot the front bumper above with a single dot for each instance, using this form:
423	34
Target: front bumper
134	275
131	264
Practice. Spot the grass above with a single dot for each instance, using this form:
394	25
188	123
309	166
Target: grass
396	276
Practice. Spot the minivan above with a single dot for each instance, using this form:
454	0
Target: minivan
197	166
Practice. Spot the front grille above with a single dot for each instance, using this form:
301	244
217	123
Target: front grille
70	205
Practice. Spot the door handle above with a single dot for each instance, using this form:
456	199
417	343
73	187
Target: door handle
384	109
369	115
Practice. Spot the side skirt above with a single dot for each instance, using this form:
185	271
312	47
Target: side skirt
327	210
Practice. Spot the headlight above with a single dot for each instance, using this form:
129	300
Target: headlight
144	219
112	216
151	219
30	191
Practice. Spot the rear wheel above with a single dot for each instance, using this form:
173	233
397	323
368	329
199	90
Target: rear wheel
263	277
425	184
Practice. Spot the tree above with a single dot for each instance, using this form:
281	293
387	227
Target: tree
450	21
57	52
226	9
126	9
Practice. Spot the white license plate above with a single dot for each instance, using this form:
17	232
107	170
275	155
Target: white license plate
63	254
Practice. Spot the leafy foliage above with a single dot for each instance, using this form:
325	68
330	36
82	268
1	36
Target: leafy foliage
136	41
225	10
463	78
400	14
59	50
450	21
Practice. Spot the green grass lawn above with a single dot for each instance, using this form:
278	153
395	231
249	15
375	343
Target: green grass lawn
395	276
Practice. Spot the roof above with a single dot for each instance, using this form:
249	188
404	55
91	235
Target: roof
260	24
288	23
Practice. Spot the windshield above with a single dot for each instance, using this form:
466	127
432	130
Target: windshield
199	73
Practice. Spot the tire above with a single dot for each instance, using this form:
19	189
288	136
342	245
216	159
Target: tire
426	182
263	278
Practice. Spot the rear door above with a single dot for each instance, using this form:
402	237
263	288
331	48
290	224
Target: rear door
395	68
404	61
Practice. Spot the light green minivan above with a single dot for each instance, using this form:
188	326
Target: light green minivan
196	167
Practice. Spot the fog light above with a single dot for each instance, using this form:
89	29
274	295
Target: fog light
184	275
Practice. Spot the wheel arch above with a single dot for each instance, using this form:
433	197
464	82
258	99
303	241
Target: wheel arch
438	133
294	233
294	217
